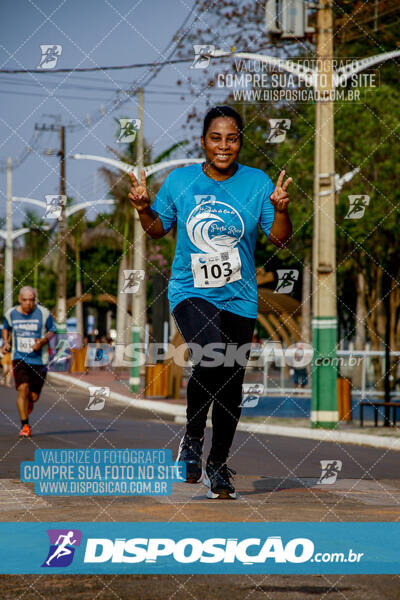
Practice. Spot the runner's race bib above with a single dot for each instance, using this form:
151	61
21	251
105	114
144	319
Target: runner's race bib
24	344
216	270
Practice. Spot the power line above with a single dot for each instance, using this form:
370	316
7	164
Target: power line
96	98
113	105
92	69
86	78
32	145
160	89
38	95
62	84
16	86
116	103
155	69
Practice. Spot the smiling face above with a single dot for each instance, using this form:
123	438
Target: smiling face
222	144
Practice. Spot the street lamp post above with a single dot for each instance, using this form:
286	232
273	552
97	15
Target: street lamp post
8	267
61	300
70	210
139	262
67	213
128	168
21	231
14	235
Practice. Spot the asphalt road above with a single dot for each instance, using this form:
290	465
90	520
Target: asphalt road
276	480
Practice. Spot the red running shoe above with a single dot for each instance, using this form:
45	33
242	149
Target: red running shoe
25	431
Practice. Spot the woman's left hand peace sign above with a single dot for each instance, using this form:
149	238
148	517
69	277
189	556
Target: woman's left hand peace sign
279	197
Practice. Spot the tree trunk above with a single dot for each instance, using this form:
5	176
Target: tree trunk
375	318
78	286
360	337
79	307
122	303
360	329
129	302
394	309
306	300
394	315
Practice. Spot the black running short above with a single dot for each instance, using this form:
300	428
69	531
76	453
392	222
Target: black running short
34	375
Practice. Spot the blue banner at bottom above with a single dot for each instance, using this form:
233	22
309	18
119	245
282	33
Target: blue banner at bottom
172	548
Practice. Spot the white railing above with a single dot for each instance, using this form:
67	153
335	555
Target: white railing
281	384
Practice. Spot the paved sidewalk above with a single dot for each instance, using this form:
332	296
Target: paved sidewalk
117	381
350	433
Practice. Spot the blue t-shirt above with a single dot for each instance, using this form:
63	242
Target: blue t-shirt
25	329
212	216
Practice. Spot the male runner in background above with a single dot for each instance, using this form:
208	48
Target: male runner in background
29	327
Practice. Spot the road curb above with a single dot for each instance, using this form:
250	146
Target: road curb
179	412
156	406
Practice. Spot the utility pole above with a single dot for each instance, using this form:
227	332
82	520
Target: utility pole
8	267
324	412
78	281
61	294
139	261
386	289
61	301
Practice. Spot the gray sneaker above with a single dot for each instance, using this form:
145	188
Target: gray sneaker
189	452
217	476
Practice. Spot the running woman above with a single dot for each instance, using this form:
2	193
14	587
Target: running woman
217	207
27	329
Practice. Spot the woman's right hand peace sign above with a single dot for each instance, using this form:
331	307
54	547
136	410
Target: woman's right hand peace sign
138	194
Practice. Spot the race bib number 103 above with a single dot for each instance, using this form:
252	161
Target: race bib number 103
216	270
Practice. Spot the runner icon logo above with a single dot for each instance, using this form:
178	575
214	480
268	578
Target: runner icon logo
54	206
330	471
132	280
202	55
62	547
129	129
279	128
50	56
286	280
357	207
98	396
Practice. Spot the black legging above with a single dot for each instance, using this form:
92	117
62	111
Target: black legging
200	322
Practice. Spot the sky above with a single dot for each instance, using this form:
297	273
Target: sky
91	33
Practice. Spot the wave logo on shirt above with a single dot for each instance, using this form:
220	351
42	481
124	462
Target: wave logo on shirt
214	226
